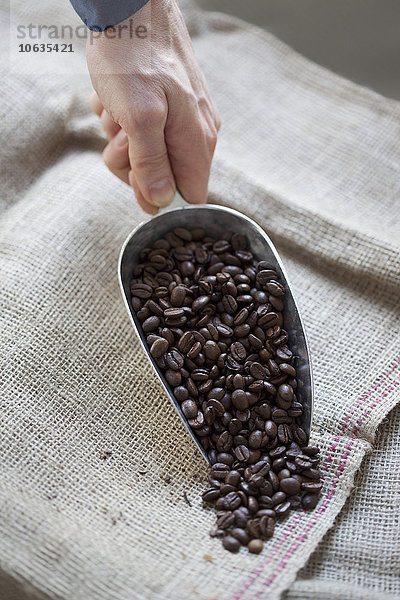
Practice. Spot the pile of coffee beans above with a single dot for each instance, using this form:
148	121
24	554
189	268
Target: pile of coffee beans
213	320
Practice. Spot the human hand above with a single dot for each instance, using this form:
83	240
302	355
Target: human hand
155	107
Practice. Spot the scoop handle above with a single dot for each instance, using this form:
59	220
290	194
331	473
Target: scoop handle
177	202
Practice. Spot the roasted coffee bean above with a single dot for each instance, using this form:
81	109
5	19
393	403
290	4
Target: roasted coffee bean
290	486
211	350
230	304
220	470
150	324
309	501
275	288
241	331
238	351
278	464
288	370
255	440
261	467
201	255
313	474
174	359
189	409
200	303
299	435
186	342
239	382
200	375
285	391
264	410
174	313
274	480
256	343
217	406
277	452
224	442
159	347
234	426
173	377
233	478
232	500
279	415
243	415
257	370
255	546
257	479
267	526
224	457
141	290
252	504
226	488
209	415
302	463
239	400
226	519
231	543
310	450
242	453
181	393
242	515
312	487
241	535
253	528
178	295
212	315
282	509
168	335
197	422
269	388
211	495
271	429
284	434
183	233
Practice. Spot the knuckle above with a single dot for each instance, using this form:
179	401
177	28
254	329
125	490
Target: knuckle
151	114
211	138
146	161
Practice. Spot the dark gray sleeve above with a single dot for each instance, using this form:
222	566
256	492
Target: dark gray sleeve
99	15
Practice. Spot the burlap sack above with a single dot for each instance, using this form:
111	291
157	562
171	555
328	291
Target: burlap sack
87	436
359	557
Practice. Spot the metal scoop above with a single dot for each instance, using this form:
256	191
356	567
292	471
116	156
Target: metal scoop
215	220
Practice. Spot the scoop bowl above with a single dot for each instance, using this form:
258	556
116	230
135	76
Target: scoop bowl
217	219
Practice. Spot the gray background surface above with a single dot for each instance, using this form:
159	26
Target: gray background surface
359	39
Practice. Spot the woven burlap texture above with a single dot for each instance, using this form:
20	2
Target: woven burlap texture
359	557
88	437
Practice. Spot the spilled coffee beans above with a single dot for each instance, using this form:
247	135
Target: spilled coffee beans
213	320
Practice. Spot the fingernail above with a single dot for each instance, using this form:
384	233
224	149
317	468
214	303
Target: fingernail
121	139
162	193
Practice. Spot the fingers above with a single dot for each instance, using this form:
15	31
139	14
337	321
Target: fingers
148	155
160	153
95	104
116	157
110	127
144	205
191	142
